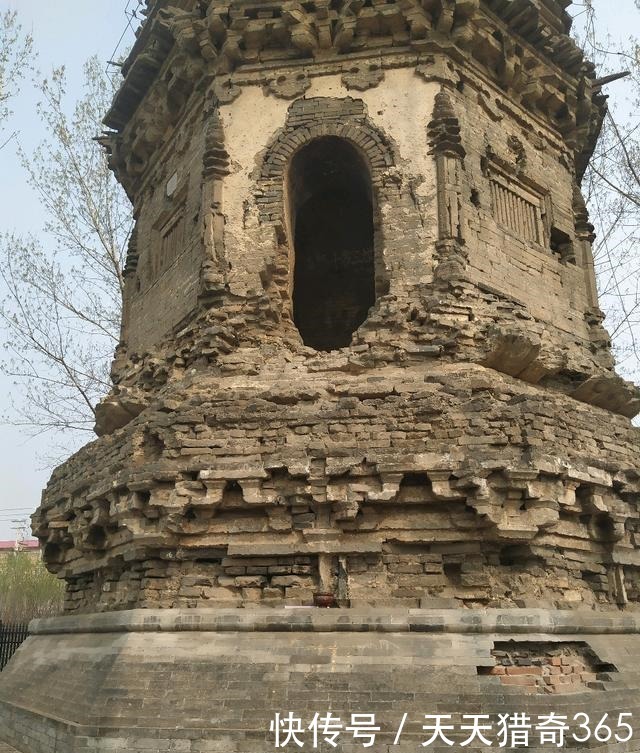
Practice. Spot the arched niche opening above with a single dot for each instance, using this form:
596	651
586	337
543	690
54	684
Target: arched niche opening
331	223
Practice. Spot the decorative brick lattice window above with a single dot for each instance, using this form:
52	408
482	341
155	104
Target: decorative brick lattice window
171	242
518	209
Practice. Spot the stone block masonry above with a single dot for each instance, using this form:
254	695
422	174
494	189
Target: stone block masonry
125	681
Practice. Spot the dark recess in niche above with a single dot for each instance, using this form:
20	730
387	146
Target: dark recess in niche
561	244
453	571
152	445
415	479
519	555
232	495
52	554
331	221
601	527
97	537
143	497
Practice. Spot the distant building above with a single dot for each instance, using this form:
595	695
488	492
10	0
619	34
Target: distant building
32	546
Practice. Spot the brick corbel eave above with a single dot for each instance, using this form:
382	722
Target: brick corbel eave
139	75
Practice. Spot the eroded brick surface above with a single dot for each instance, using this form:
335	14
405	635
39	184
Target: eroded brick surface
564	667
471	443
470	447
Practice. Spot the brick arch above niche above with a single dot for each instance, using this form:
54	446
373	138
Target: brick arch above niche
309	119
396	216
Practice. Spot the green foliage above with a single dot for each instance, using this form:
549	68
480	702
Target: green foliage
27	589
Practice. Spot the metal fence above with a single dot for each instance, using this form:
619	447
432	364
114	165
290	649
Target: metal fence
11	637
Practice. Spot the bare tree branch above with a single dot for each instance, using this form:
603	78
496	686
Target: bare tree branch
612	191
16	54
63	290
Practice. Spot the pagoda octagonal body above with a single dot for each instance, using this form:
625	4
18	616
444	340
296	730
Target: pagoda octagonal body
362	364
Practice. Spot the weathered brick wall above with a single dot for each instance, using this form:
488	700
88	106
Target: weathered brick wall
127	682
544	668
471	448
409	484
397	110
512	294
453	450
163	284
534	159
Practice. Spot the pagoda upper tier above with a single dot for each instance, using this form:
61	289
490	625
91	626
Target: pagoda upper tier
522	45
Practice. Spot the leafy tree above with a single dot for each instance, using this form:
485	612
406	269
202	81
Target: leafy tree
27	589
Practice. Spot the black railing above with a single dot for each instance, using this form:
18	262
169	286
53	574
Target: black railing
11	638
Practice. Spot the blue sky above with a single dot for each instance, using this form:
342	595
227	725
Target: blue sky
68	32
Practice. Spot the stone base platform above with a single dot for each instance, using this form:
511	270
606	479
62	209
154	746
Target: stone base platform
212	681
